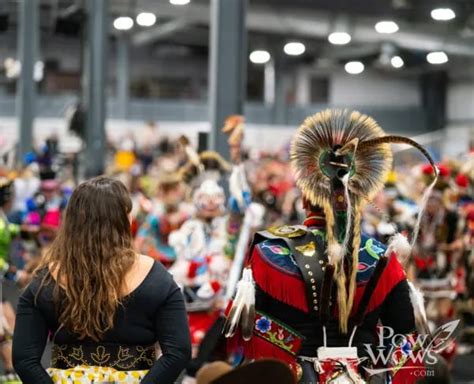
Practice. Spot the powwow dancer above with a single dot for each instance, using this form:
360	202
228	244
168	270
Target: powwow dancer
206	244
313	294
167	214
8	232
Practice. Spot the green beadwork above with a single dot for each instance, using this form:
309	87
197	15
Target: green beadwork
368	247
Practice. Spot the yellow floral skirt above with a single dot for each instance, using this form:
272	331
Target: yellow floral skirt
95	375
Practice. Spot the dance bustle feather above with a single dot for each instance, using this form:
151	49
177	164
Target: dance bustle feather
243	308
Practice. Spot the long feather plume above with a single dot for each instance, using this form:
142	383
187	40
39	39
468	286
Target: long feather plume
248	312
393	139
243	307
417	301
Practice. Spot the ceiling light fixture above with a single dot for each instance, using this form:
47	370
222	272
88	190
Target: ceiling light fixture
259	57
123	23
386	27
397	62
339	38
180	2
146	19
294	48
438	57
443	14
354	67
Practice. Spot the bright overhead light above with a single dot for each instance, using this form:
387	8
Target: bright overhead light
354	67
259	57
443	14
146	19
294	48
397	62
123	23
438	57
180	2
386	27
339	38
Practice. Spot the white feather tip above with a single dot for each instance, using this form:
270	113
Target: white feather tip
400	245
336	253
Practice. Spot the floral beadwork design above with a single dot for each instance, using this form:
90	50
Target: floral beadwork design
277	249
263	324
277	334
278	254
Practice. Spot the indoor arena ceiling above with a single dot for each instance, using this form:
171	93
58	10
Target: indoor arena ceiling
272	22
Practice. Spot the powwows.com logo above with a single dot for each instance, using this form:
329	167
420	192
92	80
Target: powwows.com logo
405	352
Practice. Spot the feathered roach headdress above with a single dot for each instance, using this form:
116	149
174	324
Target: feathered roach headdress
342	159
209	164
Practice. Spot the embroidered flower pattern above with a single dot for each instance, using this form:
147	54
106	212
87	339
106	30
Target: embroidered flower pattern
272	331
279	250
263	324
280	336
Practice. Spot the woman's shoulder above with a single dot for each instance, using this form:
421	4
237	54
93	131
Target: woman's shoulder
157	278
41	282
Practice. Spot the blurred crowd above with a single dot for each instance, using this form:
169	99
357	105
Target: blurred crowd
190	209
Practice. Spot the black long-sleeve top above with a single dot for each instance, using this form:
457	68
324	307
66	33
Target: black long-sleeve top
153	312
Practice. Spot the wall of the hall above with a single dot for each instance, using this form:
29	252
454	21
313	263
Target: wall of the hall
460	101
368	89
460	115
374	90
393	98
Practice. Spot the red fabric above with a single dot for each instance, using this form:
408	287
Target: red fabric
444	170
427	169
134	227
423	263
462	181
193	266
391	276
200	323
215	286
281	286
258	348
291	290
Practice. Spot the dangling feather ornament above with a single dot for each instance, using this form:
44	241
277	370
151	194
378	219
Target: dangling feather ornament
243	308
417	301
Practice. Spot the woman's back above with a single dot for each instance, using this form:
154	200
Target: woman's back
101	304
134	319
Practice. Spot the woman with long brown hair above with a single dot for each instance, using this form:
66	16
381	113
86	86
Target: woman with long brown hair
104	306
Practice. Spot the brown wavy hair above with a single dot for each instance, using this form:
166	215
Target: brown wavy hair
91	254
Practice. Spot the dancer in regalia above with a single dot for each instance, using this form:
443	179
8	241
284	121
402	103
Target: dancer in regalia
168	213
204	246
313	295
8	232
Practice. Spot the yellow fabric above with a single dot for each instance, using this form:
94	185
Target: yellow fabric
124	160
95	375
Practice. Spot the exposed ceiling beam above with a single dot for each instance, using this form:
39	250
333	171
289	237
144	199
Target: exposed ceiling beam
315	24
159	32
342	53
